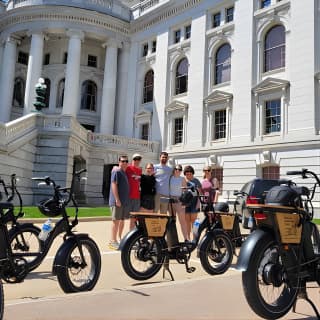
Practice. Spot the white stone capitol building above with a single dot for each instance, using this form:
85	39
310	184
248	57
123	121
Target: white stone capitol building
227	83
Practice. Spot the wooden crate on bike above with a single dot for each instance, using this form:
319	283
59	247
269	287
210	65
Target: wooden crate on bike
227	221
156	227
289	227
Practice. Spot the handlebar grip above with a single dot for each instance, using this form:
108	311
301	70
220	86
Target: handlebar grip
294	173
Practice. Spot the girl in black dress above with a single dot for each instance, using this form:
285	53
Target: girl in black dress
147	189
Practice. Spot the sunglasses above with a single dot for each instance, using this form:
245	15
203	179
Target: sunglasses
206	170
124	161
178	169
137	159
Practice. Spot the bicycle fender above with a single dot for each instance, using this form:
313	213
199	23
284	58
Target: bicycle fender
59	259
14	228
248	248
128	236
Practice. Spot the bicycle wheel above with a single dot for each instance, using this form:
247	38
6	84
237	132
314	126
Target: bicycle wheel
73	273
141	256
1	300
216	252
25	243
265	282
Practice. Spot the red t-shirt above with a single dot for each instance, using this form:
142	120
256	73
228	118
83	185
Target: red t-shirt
134	174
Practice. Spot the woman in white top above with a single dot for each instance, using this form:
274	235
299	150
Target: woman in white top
176	183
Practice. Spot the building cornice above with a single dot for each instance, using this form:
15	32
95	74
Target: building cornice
56	13
146	22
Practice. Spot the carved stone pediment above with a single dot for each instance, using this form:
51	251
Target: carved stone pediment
218	96
176	105
270	84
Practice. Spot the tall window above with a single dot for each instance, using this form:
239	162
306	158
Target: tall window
18	93
46	59
178	130
223	64
47	82
144	49
60	96
182	76
216	20
148	87
145	131
272	116
153	46
220	124
274	48
89	95
271	172
187	31
177	36
229	14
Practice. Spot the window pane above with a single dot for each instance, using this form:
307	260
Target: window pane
92	61
145	131
273	116
148	87
144	49
177	36
47	82
60	93
89	95
275	46
223	64
188	32
178	130
229	14
220	124
18	93
182	76
265	3
216	20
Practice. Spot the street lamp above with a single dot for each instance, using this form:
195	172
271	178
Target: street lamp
40	99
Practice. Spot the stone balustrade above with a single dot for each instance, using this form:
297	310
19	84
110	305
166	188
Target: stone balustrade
35	121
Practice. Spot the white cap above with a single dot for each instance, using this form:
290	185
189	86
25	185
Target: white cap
136	155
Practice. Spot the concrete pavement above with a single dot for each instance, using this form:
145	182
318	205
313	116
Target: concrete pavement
118	297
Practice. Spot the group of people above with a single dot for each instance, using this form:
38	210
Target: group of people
133	190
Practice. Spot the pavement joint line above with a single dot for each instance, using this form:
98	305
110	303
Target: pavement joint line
163	283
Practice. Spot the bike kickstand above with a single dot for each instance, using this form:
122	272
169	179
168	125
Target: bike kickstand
166	268
302	294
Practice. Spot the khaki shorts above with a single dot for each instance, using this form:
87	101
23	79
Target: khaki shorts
120	213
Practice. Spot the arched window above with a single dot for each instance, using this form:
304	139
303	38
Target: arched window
182	76
148	87
47	82
89	95
18	93
222	64
60	95
274	48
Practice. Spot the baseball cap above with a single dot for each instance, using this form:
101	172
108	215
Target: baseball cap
136	156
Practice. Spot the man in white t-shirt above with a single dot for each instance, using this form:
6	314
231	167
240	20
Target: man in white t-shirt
162	173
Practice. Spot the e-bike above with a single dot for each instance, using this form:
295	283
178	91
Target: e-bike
154	242
77	263
282	255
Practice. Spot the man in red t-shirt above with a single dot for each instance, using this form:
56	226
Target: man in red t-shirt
134	172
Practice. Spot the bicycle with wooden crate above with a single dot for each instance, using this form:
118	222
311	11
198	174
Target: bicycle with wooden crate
154	242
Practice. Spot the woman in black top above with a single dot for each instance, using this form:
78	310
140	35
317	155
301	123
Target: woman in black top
147	189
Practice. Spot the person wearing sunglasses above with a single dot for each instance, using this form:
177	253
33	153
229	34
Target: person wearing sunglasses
134	172
162	173
119	201
177	184
210	185
147	189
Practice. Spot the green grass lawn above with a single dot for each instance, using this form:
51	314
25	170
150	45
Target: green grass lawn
33	212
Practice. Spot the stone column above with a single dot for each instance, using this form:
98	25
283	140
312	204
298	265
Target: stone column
34	70
71	89
109	88
7	78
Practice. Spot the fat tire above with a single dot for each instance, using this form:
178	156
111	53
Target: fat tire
206	250
126	261
26	229
62	271
252	292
